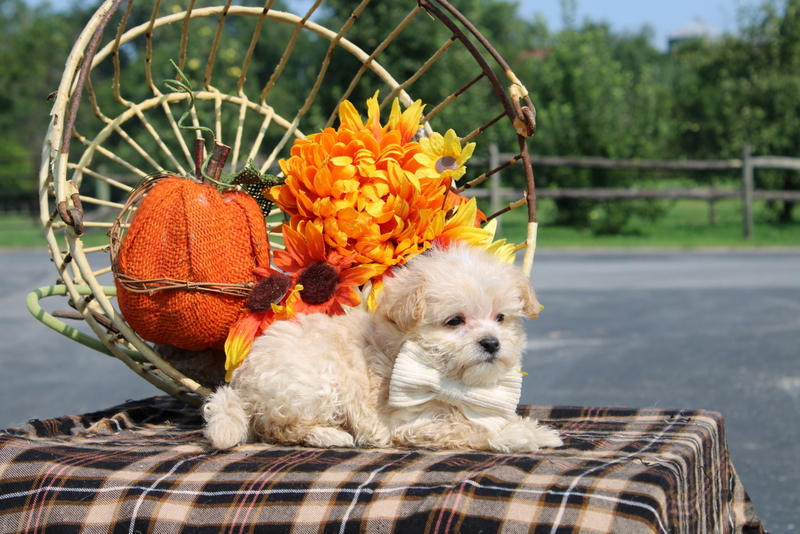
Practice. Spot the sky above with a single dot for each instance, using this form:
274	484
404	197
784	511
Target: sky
665	17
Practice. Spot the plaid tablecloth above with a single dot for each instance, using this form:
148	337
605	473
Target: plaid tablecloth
145	467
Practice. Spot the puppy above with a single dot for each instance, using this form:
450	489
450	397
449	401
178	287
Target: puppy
435	365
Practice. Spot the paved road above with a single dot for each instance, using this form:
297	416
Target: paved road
703	330
45	374
717	331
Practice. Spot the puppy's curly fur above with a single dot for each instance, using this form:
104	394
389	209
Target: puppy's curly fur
324	381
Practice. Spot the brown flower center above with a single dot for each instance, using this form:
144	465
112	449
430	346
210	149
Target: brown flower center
320	281
446	163
267	292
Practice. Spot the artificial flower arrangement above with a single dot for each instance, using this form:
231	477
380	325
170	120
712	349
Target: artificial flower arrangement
358	200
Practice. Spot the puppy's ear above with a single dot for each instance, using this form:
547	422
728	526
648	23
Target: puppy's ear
530	304
408	310
403	304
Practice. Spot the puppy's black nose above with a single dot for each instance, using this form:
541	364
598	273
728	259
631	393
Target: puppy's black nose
490	344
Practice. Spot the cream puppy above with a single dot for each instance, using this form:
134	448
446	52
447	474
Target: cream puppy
435	365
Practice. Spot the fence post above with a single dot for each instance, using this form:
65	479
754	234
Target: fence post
712	203
494	185
747	191
103	191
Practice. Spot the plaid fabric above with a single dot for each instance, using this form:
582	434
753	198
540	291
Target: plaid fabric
145	467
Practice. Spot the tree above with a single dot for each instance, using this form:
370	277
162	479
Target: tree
33	46
598	94
745	89
411	48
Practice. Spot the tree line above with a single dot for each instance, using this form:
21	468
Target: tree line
597	92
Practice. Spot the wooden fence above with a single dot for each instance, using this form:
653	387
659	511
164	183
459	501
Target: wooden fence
747	164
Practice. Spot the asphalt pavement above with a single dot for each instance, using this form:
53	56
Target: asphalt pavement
713	331
702	330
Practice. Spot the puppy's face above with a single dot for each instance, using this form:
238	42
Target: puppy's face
464	308
475	338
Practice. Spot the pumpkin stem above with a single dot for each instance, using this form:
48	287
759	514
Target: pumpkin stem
199	158
216	163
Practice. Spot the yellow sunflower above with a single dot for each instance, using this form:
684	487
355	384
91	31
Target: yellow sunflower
461	227
443	157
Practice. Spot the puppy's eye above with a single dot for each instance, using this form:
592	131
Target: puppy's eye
455	321
500	318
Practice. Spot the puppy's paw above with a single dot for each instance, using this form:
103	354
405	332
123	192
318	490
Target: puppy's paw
226	419
547	437
324	436
524	435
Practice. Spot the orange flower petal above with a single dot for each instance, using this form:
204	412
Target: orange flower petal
295	246
349	117
285	261
348	296
347	214
322	182
356	276
240	339
406	123
315	243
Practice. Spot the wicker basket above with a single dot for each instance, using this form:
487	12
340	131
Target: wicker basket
96	153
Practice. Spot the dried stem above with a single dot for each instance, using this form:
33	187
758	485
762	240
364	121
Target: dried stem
217	162
199	157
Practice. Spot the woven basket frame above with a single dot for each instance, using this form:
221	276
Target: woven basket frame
67	170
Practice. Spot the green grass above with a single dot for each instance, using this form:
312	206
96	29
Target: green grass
20	231
685	226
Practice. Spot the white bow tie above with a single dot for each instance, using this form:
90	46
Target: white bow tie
413	382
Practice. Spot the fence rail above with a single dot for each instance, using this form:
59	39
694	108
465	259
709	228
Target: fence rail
621	193
498	160
763	162
747	164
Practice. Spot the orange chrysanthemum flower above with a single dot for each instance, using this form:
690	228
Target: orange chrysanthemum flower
358	186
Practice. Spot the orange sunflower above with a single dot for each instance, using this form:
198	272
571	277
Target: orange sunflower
261	310
328	280
318	281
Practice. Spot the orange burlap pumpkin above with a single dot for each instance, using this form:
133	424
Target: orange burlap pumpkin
190	232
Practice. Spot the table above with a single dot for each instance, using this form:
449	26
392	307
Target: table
144	466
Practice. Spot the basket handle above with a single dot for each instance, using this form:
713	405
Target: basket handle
32	301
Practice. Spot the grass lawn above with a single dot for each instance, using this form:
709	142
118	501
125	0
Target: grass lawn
685	226
19	231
